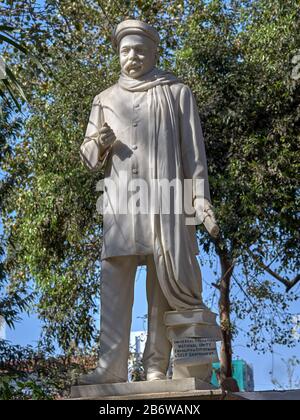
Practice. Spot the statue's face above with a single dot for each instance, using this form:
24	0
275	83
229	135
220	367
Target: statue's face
138	55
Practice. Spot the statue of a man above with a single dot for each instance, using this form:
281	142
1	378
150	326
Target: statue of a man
147	127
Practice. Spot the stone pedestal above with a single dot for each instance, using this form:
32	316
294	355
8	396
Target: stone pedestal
193	334
165	389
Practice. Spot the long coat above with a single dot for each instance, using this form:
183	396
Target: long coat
157	125
126	113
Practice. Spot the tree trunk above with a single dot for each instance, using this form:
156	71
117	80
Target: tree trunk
226	381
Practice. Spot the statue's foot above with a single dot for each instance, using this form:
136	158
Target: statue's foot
156	376
99	376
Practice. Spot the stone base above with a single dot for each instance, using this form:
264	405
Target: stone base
200	372
165	389
193	334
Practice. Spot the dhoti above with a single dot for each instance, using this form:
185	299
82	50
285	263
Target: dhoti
117	295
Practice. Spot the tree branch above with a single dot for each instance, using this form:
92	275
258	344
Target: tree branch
289	284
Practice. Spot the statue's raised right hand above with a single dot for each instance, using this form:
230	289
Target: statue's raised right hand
106	135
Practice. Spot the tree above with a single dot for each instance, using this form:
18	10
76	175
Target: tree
8	82
249	106
61	249
39	374
237	57
14	299
293	381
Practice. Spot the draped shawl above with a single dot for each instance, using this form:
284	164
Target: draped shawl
176	264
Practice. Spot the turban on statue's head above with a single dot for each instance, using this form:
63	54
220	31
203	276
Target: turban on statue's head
132	26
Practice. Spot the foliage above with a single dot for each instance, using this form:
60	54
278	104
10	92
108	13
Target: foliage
14	297
136	368
8	83
293	381
28	373
249	104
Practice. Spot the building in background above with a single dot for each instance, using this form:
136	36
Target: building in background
137	342
242	373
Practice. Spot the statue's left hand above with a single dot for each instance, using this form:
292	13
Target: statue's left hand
205	214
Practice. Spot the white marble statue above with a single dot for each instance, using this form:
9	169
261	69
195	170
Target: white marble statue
147	126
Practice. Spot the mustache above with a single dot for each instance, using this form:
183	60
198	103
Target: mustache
133	64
